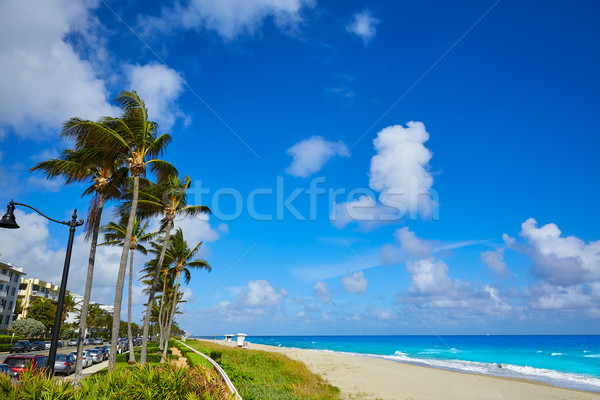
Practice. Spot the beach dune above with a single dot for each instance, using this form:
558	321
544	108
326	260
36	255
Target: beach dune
374	378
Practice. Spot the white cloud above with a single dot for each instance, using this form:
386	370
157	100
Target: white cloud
558	260
400	173
229	18
545	296
355	283
429	277
44	81
363	25
400	169
159	86
310	155
261	294
417	247
364	210
321	290
494	260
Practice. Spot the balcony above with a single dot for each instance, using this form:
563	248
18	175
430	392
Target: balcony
4	278
3	294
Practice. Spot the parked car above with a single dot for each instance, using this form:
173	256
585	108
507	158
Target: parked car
7	370
72	342
104	351
64	364
86	356
96	355
25	362
88	341
21	346
98	341
35	346
48	344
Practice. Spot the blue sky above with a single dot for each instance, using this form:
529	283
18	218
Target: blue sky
449	148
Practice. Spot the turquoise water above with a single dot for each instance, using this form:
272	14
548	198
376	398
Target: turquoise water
566	361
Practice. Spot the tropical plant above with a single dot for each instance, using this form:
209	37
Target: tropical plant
135	138
179	256
102	168
167	198
28	327
114	234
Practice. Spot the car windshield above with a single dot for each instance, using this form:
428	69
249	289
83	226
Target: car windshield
62	357
21	342
18	362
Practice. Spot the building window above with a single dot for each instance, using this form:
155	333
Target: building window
4	272
14	290
23	286
10	305
7	320
16	278
1	286
36	288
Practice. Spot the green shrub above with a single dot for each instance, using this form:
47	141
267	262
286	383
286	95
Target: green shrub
148	382
8	339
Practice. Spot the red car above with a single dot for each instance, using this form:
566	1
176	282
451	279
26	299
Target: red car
25	362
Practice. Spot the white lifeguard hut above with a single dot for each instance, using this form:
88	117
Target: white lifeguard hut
240	339
229	337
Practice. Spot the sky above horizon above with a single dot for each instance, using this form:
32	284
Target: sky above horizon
372	168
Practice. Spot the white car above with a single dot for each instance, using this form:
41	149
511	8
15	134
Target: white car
87	358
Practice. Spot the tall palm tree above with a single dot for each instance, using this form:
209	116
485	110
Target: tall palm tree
114	234
180	257
102	168
167	198
137	139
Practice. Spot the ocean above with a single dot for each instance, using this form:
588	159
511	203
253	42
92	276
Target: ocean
571	361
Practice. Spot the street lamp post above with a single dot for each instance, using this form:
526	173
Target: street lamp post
8	221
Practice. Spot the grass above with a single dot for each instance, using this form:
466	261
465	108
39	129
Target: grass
261	375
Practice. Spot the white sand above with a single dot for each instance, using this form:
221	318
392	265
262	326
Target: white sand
373	378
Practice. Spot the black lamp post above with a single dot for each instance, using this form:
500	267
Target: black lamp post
8	221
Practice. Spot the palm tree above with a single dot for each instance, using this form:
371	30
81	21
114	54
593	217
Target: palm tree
114	234
180	257
136	138
69	305
102	168
167	198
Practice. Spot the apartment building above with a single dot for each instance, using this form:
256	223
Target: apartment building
9	287
31	289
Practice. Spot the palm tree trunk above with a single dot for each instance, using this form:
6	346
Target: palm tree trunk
131	352
160	311
153	291
171	318
116	325
88	290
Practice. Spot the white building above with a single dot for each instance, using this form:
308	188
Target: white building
9	290
73	316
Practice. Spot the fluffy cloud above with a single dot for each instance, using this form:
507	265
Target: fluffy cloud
558	260
429	277
310	155
355	283
400	169
417	247
229	18
44	81
400	173
494	260
260	293
363	25
159	86
321	290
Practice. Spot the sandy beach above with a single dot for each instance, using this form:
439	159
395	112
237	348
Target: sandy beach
373	378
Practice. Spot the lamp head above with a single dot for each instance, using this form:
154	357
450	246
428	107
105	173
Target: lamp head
8	220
